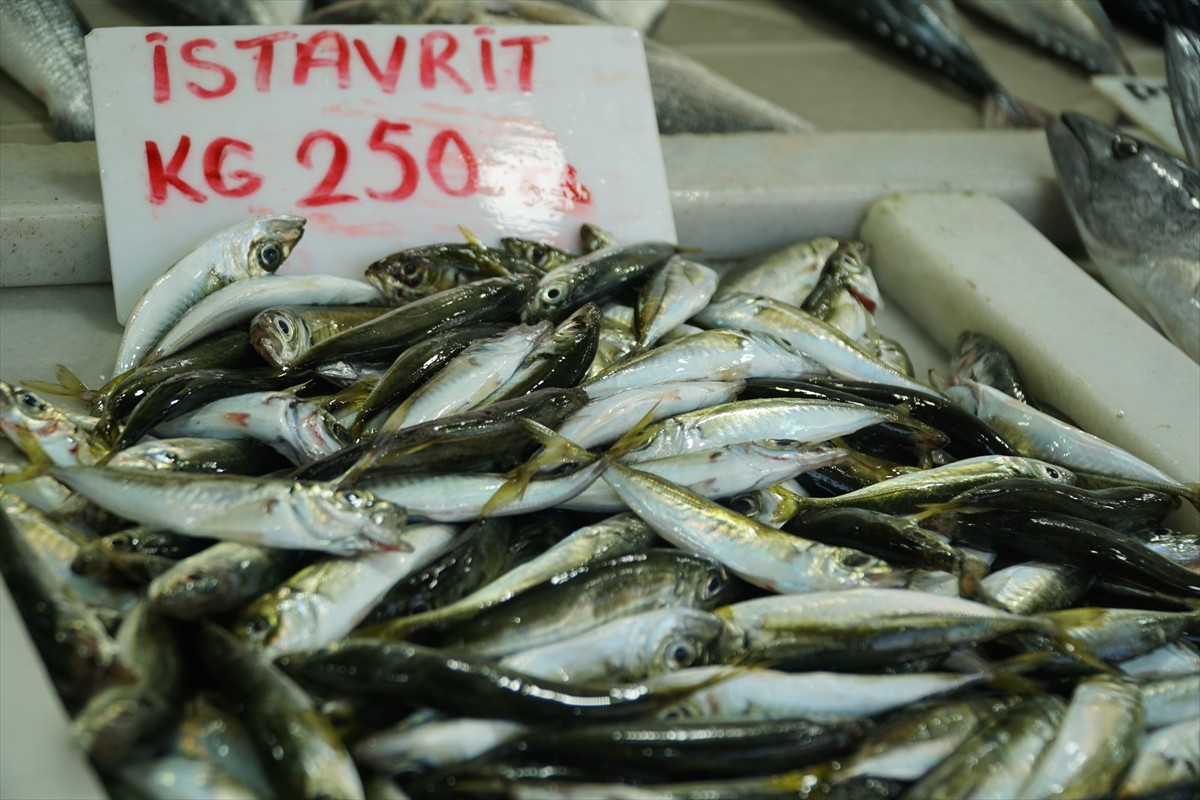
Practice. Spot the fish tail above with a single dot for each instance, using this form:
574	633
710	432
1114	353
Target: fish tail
34	470
67	385
556	451
637	436
1009	674
1074	648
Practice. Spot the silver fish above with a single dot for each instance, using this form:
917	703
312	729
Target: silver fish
788	274
300	430
1097	740
279	513
1137	208
1077	30
43	431
428	741
41	47
1183	83
678	289
605	419
240	302
254	247
1165	758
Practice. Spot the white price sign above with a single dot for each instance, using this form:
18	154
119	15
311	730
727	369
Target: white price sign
384	137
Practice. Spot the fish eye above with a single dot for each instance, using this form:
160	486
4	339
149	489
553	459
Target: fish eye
1125	147
1053	474
122	541
552	294
29	400
744	505
680	654
420	603
354	498
258	625
714	584
411	273
856	559
537	255
270	256
283	326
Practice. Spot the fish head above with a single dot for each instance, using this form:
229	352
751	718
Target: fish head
708	583
279	336
410	275
1044	470
260	245
855	274
113	721
1128	197
848	567
685	638
542	256
552	295
278	622
188	593
353	519
21	407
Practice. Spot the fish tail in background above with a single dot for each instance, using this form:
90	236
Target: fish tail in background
68	384
41	47
1183	83
1002	110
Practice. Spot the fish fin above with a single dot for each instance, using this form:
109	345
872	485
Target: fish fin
67	385
34	470
1075	648
1002	110
471	238
637	436
937	381
557	450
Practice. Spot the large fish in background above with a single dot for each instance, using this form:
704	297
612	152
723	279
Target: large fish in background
1077	30
1137	208
1151	17
929	32
1183	82
41	47
688	97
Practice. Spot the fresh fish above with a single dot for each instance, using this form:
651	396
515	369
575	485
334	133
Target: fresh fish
176	777
303	755
1167	701
299	430
616	536
1033	587
590	596
69	636
462	684
908	493
1118	634
606	419
252	248
862	627
627	649
996	759
720	472
772	506
1097	740
484	552
323	602
279	513
788	275
846	276
221	578
140	701
1182	548
593	277
929	32
44	432
421	271
1062	538
1152	17
908	746
283	333
428	742
241	301
755	552
539	254
821	696
413	367
841	356
980	358
1077	30
469	377
676	291
561	359
724	355
188	454
695	749
1168	757
1183	83
1177	658
1128	509
1039	435
389	334
41	47
1137	209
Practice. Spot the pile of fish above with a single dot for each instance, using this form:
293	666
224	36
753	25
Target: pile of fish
519	522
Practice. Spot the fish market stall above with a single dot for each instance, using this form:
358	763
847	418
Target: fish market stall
967	229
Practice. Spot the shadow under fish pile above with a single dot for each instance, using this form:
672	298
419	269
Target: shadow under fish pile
523	522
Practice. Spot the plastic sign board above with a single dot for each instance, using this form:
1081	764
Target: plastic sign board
1146	102
383	137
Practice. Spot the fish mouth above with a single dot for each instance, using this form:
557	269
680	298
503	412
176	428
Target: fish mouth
1069	139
